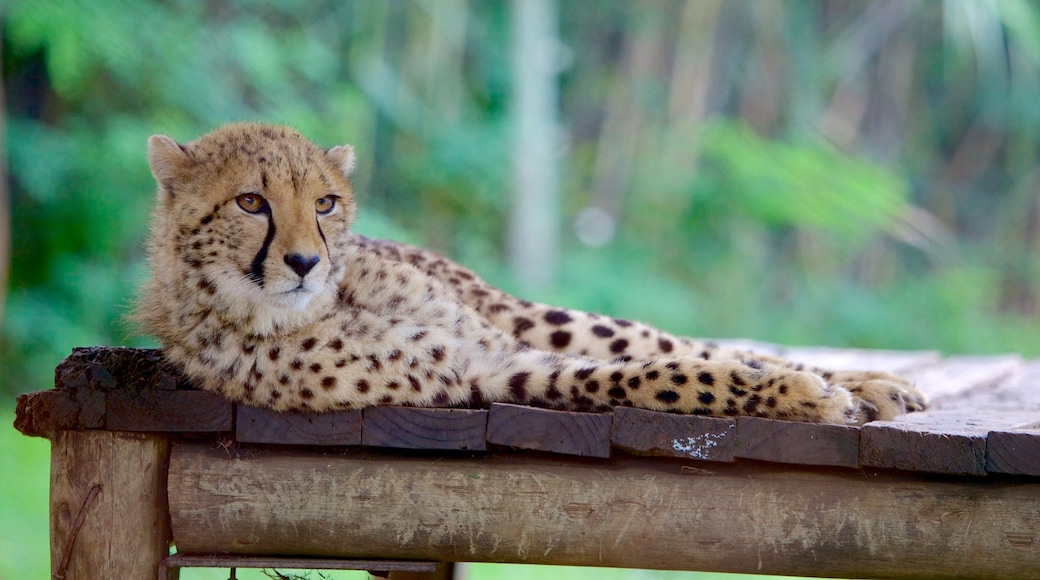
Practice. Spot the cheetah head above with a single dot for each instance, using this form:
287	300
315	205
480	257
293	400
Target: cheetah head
251	221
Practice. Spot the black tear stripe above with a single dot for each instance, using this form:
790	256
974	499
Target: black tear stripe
256	270
323	240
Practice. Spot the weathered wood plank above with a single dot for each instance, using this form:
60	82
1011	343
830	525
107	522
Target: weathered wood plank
797	443
420	428
255	425
844	359
1019	392
947	382
1014	451
41	413
108	509
670	435
564	432
952	442
168	411
626	512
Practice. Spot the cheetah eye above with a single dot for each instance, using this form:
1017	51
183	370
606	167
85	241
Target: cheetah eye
251	202
325	205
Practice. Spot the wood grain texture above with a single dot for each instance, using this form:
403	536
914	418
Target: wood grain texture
291	563
254	425
417	428
952	442
948	382
124	531
168	411
569	433
624	512
844	359
797	443
1014	451
670	435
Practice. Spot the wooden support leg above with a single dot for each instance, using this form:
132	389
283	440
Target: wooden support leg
109	515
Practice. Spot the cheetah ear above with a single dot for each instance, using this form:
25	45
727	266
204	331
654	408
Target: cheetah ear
342	157
167	160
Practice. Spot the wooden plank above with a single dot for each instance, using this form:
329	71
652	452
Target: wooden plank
671	435
952	442
168	411
845	359
41	413
947	383
797	443
420	428
108	509
1020	392
1014	451
255	425
635	512
564	432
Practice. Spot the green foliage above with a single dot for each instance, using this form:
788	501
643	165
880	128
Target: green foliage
798	173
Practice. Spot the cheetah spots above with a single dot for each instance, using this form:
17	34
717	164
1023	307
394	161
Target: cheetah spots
737	391
584	373
679	379
706	378
618	392
592	387
328	383
308	344
557	317
634	382
414	382
393	385
362	386
668	397
751	405
652	375
560	339
437	353
518	386
602	331
622	323
306	394
521	325
274	353
553	394
496	308
335	344
296	364
394	354
665	345
315	368
417	336
706	398
616	376
619	346
737	380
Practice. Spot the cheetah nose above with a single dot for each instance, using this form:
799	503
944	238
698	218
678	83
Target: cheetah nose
301	264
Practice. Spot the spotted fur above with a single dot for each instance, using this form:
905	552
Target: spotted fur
260	292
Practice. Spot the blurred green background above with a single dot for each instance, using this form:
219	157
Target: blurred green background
839	173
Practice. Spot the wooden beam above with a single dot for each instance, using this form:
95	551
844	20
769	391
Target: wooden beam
940	442
565	432
797	443
421	428
168	411
671	435
108	509
255	425
625	512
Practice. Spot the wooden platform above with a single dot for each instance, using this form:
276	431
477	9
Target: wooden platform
951	493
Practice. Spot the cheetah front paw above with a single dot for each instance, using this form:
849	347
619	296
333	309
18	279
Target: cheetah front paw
882	397
804	396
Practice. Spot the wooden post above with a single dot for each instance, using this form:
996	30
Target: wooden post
109	516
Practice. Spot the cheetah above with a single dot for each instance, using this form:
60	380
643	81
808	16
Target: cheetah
260	292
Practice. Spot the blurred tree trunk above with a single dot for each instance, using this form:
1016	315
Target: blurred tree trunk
534	222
